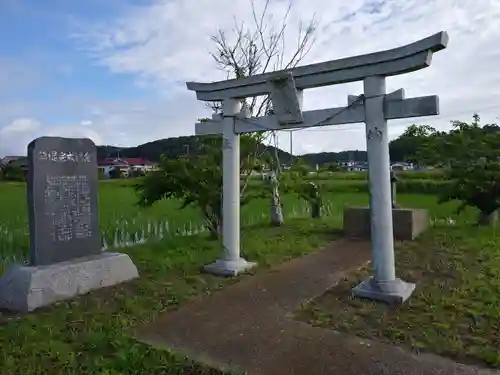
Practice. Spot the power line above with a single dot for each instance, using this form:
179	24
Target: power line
328	118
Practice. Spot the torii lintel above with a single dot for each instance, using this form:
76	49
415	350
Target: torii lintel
396	107
400	60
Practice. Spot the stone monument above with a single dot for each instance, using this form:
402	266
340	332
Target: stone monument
65	245
407	223
394	186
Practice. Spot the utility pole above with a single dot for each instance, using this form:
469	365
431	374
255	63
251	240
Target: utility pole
291	147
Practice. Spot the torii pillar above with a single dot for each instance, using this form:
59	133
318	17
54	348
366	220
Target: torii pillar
383	285
231	263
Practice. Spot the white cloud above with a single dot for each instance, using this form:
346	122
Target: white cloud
121	123
15	137
168	42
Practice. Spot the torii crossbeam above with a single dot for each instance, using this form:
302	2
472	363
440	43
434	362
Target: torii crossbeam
374	107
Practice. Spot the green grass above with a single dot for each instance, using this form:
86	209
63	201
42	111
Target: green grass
122	222
120	219
455	310
93	334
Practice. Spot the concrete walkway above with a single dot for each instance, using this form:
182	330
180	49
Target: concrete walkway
248	326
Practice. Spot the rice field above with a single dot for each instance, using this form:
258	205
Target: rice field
124	224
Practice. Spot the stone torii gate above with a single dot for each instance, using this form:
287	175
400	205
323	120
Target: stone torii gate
374	107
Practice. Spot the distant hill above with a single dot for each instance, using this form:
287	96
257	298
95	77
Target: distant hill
173	147
170	147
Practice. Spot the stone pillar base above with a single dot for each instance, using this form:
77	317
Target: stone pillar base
25	288
394	292
229	268
408	223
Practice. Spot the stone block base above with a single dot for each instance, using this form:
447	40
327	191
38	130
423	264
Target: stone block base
229	268
24	288
392	292
408	223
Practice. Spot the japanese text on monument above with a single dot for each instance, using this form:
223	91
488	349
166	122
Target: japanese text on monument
62	157
67	199
68	204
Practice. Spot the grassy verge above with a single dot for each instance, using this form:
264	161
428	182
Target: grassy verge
92	334
455	310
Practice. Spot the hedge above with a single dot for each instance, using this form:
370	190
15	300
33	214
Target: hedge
422	186
434	174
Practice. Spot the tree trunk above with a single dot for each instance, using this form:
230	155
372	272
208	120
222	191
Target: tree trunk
214	226
487	219
276	215
276	209
316	210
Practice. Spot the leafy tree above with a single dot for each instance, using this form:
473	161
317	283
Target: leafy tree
472	155
294	182
407	145
332	167
137	172
256	49
196	179
11	172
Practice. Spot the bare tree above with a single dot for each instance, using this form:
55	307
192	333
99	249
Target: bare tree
255	49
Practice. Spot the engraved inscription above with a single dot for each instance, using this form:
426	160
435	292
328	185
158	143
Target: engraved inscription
68	207
64	157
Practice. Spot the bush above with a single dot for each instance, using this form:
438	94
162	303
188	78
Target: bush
12	173
115	173
435	174
412	182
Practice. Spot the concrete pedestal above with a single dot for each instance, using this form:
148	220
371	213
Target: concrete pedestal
229	267
25	288
408	223
393	292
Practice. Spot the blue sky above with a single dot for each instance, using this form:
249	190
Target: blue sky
39	47
115	70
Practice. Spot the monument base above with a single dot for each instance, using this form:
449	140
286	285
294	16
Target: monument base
24	288
407	223
393	292
229	268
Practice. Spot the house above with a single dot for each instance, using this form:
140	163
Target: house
14	168
346	165
15	161
9	159
401	166
354	166
124	165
